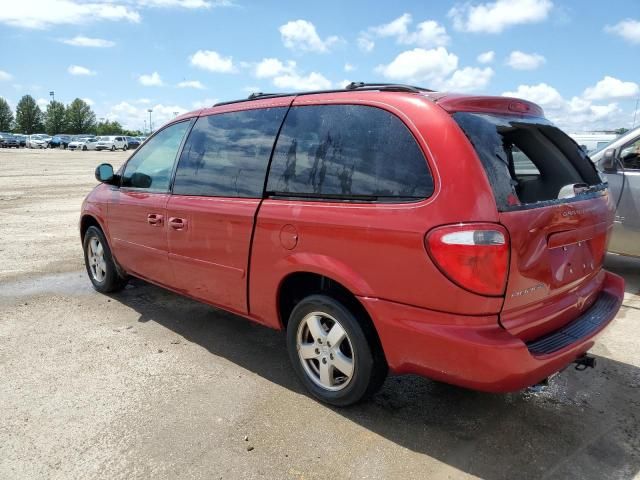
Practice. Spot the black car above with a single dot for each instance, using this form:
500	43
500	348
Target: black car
60	141
22	139
132	142
9	141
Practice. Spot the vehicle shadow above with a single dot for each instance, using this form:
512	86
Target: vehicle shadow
585	425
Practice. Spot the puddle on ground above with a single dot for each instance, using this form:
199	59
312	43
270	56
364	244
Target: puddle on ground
69	283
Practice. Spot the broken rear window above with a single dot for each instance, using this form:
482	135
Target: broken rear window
528	160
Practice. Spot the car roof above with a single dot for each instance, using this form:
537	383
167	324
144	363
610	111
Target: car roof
360	91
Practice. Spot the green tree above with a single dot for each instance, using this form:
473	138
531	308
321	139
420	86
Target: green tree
54	118
28	116
6	116
621	130
108	128
79	117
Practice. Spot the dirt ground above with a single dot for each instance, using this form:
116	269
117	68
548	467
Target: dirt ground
146	384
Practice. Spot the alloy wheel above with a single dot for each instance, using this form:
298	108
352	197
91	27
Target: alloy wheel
325	351
97	263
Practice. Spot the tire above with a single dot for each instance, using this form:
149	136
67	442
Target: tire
113	148
99	262
352	352
84	148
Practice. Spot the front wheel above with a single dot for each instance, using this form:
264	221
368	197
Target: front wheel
330	352
84	148
99	262
113	148
125	148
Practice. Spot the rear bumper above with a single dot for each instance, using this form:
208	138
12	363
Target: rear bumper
475	352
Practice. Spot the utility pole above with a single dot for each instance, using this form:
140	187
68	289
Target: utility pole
150	125
52	94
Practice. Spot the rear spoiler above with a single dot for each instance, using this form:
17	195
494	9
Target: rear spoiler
500	105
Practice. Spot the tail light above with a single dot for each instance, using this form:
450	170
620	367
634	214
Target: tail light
474	256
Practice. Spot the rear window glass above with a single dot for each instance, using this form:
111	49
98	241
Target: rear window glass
348	152
528	160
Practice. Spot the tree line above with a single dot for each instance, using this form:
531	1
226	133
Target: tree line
74	118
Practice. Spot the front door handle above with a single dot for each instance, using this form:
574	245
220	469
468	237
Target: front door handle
177	223
155	219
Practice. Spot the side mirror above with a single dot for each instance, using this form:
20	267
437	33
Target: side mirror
104	173
609	160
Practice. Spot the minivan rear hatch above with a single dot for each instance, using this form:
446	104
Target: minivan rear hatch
557	211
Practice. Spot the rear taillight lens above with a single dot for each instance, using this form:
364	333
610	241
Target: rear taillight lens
474	256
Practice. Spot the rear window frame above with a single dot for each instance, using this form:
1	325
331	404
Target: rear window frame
593	191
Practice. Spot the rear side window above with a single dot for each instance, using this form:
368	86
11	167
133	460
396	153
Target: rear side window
348	152
528	160
226	155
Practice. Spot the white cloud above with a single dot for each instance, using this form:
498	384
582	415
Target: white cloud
486	57
495	17
610	87
469	79
365	43
42	103
420	65
343	83
295	81
4	76
191	84
88	101
427	34
270	67
191	4
576	114
150	80
301	35
45	13
212	61
348	67
134	117
81	41
628	29
204	103
286	76
79	70
525	61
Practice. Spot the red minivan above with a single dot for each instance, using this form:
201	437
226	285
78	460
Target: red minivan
384	227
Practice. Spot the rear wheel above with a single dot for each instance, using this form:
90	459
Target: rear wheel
330	352
125	148
101	267
113	148
84	148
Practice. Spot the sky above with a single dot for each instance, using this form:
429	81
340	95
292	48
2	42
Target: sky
578	59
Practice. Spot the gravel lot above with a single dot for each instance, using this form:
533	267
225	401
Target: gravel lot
146	384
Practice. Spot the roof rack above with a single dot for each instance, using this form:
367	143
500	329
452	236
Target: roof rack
353	86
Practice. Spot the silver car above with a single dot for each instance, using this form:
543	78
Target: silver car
620	162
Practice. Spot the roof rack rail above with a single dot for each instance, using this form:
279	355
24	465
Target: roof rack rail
353	86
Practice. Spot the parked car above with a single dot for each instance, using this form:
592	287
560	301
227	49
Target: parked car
383	227
56	142
22	139
8	140
592	141
112	143
620	162
60	141
38	141
90	144
133	142
77	142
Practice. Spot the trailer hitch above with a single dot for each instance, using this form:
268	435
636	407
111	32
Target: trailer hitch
584	362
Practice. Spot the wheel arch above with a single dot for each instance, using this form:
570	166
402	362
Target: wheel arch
300	284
